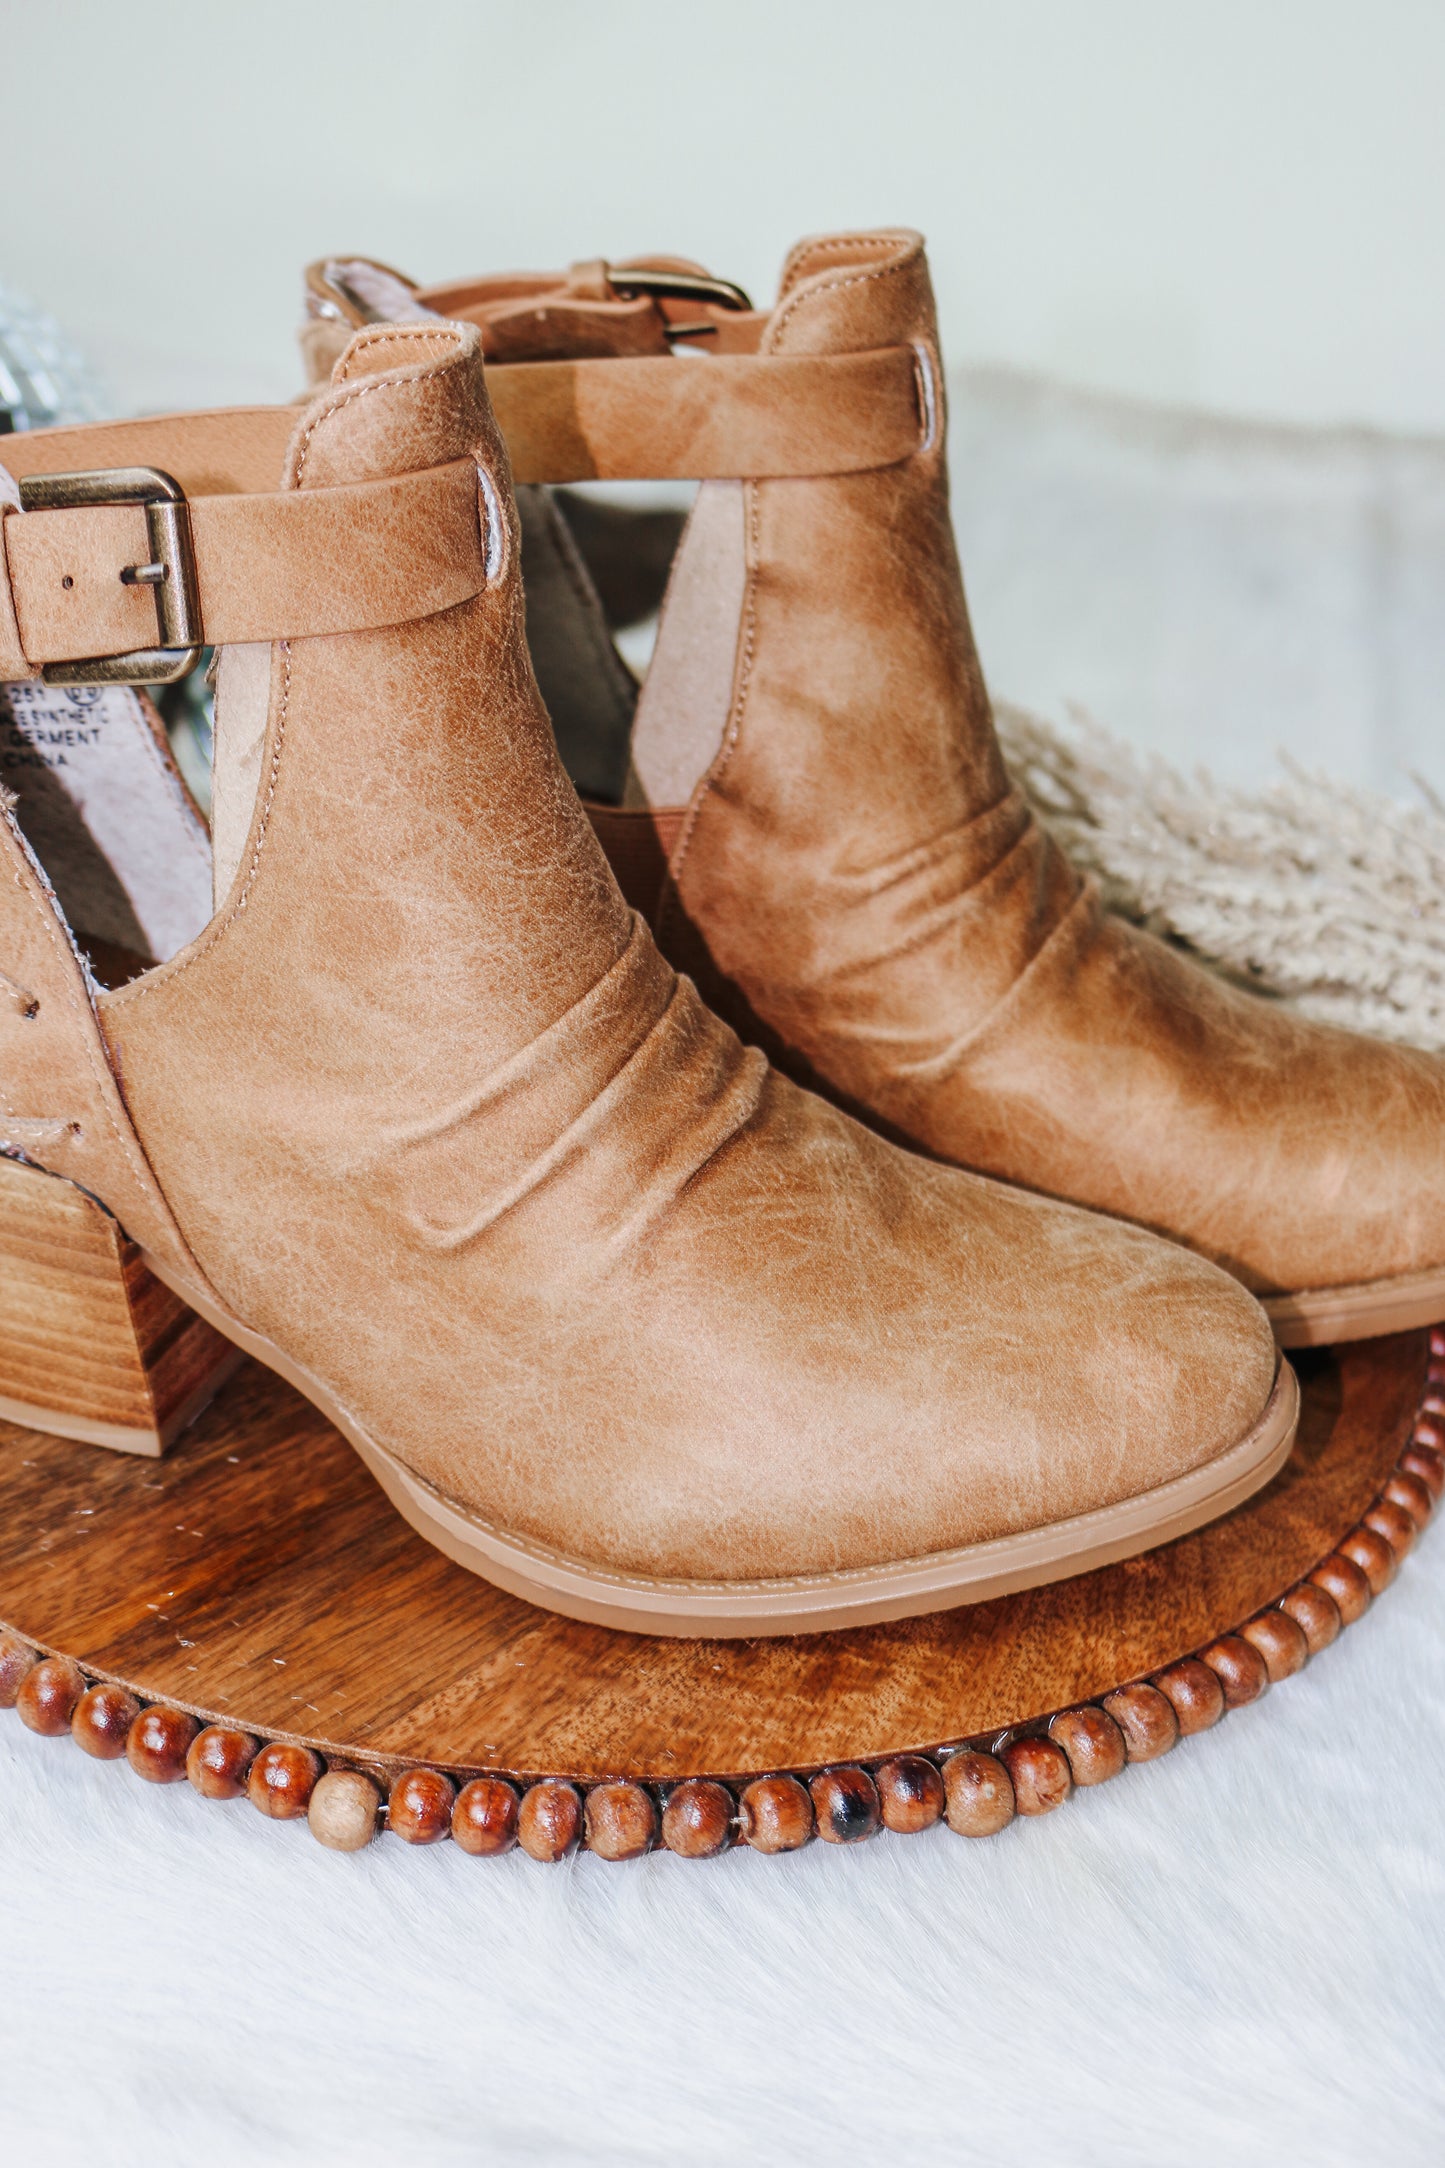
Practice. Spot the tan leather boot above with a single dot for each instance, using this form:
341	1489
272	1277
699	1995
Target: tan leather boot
618	1317
821	828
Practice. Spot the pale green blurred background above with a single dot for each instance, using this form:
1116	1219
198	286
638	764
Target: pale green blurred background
1238	205
1234	207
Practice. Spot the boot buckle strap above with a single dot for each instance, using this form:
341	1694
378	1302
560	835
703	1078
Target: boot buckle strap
170	571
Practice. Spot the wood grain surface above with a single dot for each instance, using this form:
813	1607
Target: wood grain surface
86	1332
257	1576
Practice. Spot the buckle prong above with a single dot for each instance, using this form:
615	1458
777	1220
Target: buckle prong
170	574
677	286
663	286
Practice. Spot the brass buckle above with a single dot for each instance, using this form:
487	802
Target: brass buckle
678	286
170	574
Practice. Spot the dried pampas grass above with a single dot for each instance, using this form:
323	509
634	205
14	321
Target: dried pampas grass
1327	896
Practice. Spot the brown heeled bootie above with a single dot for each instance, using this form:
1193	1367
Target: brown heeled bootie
818	823
417	1114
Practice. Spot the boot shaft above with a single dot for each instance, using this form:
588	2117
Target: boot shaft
822	829
846	555
412	837
422	1017
814	725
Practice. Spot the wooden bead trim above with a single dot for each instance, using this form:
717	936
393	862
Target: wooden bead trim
699	1818
345	1810
910	1794
1092	1743
977	1787
219	1760
158	1744
845	1805
483	1821
102	1721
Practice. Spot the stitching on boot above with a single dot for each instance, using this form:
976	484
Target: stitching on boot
835	285
835	244
263	825
357	391
104	1076
672	887
731	736
387	334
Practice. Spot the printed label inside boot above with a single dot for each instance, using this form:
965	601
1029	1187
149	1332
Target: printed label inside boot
105	811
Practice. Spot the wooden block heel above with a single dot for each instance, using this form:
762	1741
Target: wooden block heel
92	1346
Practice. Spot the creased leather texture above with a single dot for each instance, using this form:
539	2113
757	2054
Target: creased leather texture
434	1115
856	883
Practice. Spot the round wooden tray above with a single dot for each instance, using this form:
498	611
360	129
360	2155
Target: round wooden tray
257	1581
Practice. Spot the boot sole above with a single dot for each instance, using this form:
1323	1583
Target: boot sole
637	1603
1321	1316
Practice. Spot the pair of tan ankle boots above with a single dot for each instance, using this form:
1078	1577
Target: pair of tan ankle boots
780	1199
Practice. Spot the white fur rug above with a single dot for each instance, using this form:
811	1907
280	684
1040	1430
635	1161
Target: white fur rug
1231	1958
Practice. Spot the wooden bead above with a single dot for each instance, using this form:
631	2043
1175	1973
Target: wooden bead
1373	1555
47	1696
17	1658
281	1780
1239	1667
1146	1718
549	1820
979	1794
697	1821
1039	1772
419	1809
1281	1641
776	1814
1428	1435
1347	1583
910	1794
1394	1523
845	1805
620	1820
1404	1489
158	1742
484	1819
1315	1612
345	1810
218	1761
1437	1341
1427	1465
1194	1693
1092	1743
102	1718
